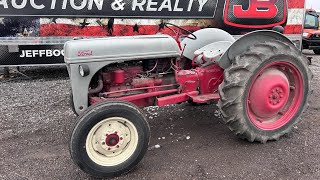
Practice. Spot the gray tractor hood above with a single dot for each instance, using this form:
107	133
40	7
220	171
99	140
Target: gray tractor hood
120	49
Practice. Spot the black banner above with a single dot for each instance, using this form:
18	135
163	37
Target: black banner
32	55
110	8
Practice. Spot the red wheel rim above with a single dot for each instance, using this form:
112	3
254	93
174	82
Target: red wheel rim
275	95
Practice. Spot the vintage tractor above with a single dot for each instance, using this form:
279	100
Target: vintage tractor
261	82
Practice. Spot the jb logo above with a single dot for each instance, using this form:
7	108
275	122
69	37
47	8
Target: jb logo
257	8
255	13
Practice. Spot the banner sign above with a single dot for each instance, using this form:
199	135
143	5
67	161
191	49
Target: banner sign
110	8
32	55
32	32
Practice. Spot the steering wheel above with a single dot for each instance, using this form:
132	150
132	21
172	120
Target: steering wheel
193	37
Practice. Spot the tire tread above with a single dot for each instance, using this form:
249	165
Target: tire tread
232	89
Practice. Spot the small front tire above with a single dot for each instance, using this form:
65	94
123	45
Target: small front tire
109	139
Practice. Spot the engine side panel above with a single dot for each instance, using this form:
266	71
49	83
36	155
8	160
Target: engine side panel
120	49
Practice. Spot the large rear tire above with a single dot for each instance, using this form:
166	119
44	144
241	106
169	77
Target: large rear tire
109	139
265	91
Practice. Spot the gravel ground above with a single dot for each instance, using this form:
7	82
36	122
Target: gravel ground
194	144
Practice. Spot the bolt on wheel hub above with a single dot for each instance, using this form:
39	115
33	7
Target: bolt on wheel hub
113	137
269	94
112	140
276	96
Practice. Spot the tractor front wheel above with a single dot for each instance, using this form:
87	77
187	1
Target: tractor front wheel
109	139
265	91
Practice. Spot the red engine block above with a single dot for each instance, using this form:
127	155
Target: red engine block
128	83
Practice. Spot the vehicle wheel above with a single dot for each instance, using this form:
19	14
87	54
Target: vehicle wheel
109	139
265	91
316	51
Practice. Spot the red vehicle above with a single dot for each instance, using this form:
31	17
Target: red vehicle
260	81
311	32
200	51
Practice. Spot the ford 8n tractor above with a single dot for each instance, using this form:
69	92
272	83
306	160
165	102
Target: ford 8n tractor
261	82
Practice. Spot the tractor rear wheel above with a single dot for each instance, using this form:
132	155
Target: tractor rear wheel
109	139
265	91
316	51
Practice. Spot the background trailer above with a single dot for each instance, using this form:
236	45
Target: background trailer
32	32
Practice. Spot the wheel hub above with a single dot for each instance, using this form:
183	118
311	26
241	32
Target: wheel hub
276	96
112	139
269	94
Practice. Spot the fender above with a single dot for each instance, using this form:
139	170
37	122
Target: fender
204	37
242	44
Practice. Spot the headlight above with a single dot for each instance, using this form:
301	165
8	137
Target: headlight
84	70
305	35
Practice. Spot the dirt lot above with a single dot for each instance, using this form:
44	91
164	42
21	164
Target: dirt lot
36	119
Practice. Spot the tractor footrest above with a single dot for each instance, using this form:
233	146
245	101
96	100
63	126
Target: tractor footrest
205	98
177	98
